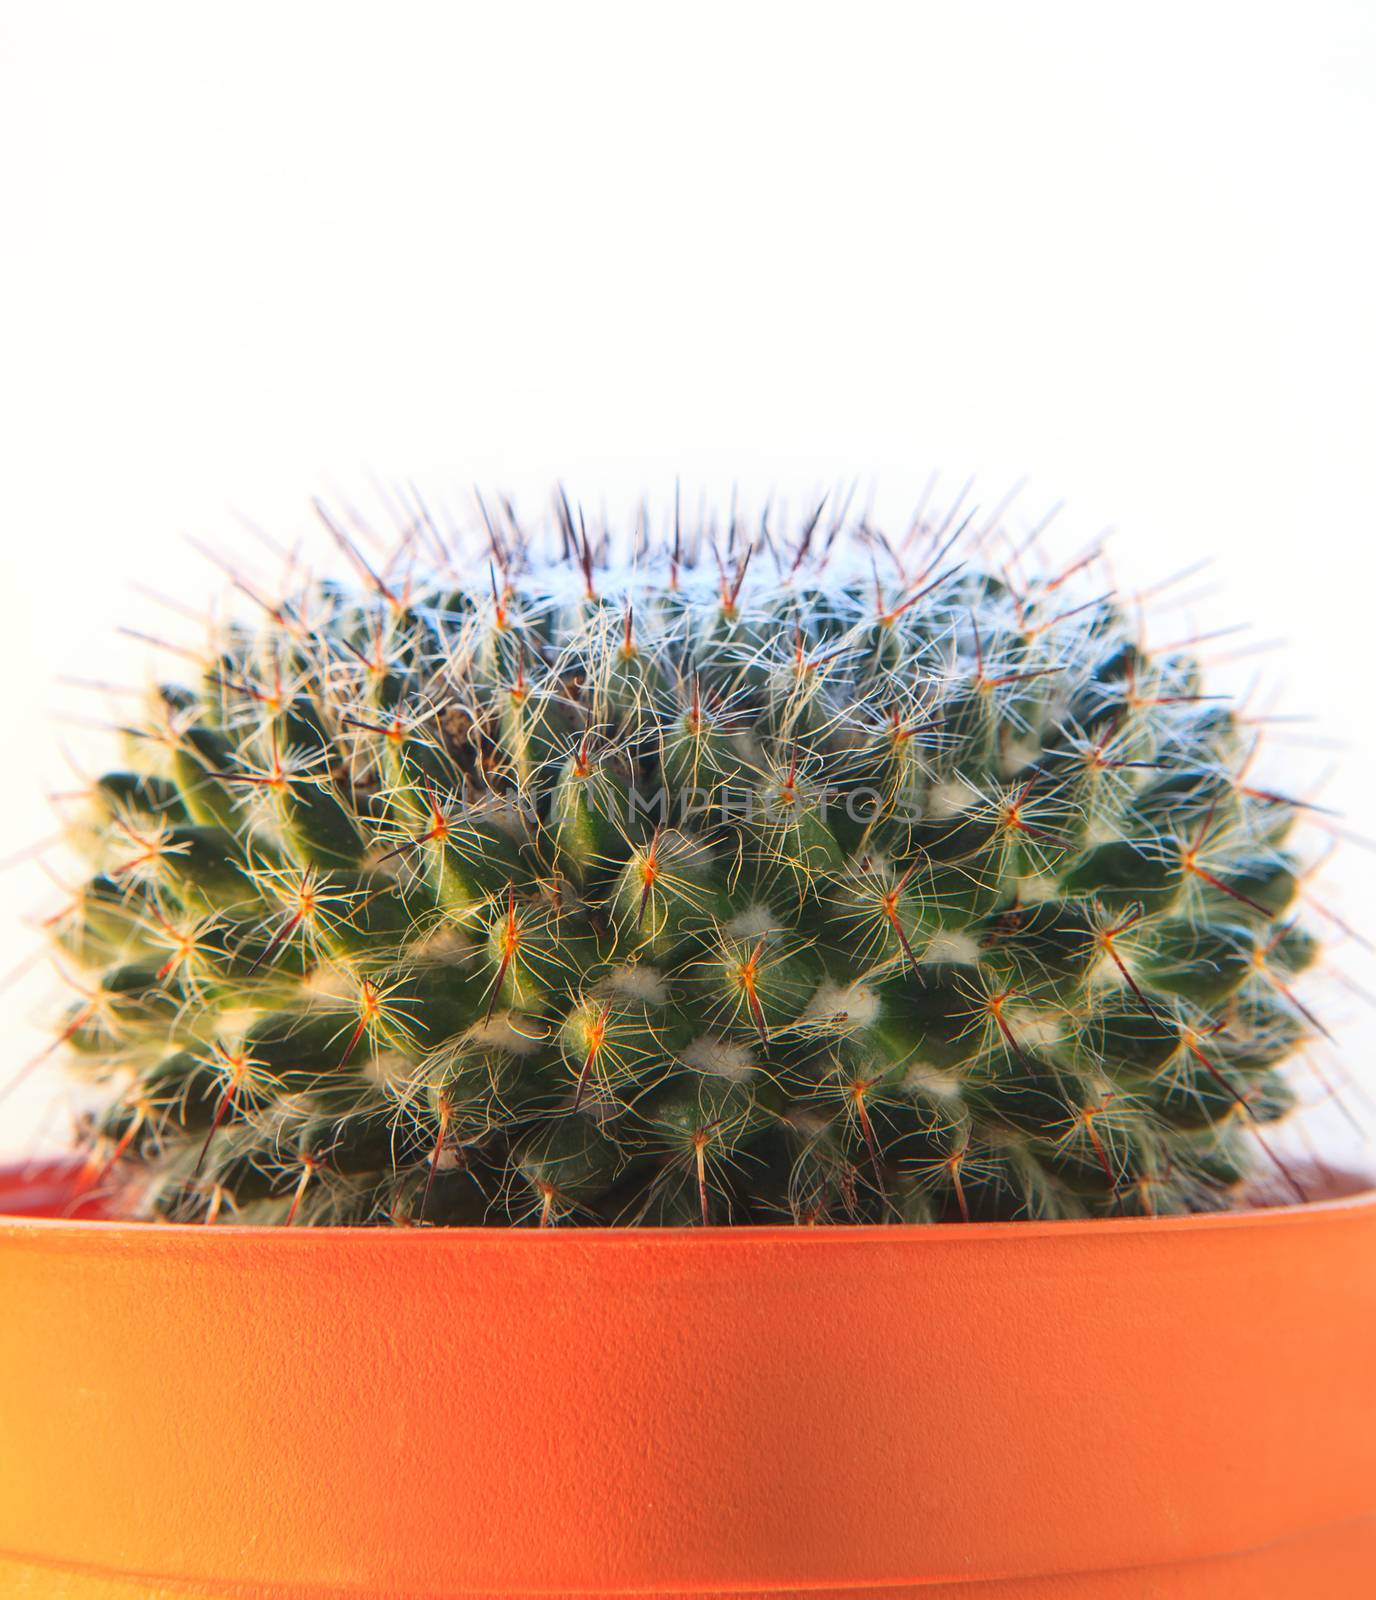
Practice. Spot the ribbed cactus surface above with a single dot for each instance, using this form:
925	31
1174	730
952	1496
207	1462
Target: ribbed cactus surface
700	892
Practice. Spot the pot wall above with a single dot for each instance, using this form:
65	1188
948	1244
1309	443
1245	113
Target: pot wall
444	1412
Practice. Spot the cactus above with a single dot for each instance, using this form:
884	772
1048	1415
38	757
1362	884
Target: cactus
691	891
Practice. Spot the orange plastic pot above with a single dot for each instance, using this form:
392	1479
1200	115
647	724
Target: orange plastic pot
1178	1408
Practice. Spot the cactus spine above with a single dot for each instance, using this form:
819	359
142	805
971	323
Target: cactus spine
695	894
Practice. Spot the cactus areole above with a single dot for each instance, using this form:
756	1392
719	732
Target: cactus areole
745	882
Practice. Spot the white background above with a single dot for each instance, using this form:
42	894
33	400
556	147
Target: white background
252	252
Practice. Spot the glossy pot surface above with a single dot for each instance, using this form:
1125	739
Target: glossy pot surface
1129	1408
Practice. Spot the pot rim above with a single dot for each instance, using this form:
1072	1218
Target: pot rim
1350	1194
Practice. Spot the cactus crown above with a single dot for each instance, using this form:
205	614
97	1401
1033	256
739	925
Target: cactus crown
719	891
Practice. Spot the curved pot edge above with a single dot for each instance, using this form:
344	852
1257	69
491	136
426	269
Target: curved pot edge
1343	1553
41	1187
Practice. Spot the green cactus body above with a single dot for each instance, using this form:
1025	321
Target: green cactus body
654	900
